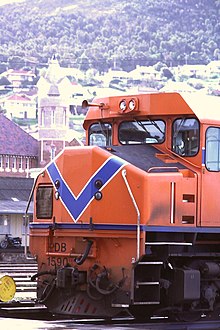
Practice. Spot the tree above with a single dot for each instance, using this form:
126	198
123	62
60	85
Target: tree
2	110
3	67
151	30
167	73
216	54
16	62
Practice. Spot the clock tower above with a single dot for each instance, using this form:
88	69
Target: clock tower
54	92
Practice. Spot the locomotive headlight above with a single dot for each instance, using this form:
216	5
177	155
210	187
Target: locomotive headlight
98	195
123	105
57	195
132	104
57	184
98	184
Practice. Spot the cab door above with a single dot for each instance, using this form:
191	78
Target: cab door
210	192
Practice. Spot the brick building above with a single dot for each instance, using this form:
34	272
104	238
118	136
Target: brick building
18	150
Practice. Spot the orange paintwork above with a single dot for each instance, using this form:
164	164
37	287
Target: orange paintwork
186	197
148	105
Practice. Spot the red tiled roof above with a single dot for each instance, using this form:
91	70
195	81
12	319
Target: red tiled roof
15	141
17	97
20	72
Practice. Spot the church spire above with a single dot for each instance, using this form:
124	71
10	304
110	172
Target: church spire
54	73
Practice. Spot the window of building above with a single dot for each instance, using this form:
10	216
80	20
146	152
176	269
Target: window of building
27	165
53	117
100	134
20	163
7	162
212	159
4	224
42	117
185	138
142	132
14	164
52	152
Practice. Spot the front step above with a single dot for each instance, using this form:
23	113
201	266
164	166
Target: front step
146	275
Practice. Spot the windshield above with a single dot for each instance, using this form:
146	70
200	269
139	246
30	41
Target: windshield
142	131
100	134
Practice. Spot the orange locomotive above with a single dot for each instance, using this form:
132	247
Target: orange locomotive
131	222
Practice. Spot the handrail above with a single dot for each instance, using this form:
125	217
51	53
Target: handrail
172	202
26	223
163	168
137	210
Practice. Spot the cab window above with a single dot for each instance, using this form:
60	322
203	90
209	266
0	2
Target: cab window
185	137
100	134
44	202
212	161
141	132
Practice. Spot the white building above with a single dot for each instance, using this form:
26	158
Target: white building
112	75
213	68
144	72
188	70
19	106
19	77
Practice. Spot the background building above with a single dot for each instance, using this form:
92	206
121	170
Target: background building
14	194
54	96
18	150
23	156
19	106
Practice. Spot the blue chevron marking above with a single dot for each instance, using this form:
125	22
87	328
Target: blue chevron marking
75	205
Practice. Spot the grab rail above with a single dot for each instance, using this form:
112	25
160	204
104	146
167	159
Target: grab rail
163	168
137	210
26	223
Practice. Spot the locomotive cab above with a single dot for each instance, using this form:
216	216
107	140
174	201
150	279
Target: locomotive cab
123	224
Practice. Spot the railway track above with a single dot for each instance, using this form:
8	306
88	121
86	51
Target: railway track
24	303
132	325
21	273
24	306
124	324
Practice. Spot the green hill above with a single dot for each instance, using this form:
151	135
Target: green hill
108	33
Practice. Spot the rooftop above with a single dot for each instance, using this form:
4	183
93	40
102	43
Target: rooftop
15	141
14	195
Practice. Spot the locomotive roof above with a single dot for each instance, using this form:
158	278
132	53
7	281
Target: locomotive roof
205	107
